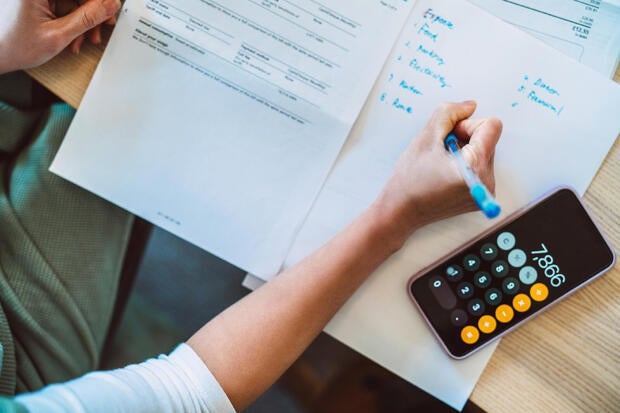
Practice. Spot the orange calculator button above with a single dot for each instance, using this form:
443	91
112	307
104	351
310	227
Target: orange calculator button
469	334
521	303
504	313
539	292
487	324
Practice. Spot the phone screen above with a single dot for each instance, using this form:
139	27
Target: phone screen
513	272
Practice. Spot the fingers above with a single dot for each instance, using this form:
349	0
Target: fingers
481	136
84	18
94	35
445	118
76	44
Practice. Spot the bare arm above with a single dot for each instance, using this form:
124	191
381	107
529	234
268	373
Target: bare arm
248	346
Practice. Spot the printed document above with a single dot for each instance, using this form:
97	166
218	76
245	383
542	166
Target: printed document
219	121
586	30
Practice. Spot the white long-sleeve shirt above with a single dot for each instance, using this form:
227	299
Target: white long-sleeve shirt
180	382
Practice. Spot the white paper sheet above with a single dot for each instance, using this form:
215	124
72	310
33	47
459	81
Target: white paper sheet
556	131
588	31
219	121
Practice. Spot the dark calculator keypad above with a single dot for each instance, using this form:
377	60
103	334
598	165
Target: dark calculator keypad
488	287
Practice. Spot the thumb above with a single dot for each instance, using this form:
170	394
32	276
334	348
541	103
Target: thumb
481	136
479	152
446	117
88	15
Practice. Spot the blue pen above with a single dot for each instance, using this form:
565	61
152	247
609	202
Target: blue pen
479	192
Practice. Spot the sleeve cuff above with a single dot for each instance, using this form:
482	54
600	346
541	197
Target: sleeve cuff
205	384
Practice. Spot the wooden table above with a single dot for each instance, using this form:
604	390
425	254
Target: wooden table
567	360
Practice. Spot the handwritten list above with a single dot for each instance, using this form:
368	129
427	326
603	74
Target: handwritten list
419	68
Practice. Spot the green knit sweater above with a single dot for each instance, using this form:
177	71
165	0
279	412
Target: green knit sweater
61	251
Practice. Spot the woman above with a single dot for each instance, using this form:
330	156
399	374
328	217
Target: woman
236	356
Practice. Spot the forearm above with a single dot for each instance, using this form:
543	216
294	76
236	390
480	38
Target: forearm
253	342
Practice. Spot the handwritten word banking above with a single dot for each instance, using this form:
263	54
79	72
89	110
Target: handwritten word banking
432	54
540	93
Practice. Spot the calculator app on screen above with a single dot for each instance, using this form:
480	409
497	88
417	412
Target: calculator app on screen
513	271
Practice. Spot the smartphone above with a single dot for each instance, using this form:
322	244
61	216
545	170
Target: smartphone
511	272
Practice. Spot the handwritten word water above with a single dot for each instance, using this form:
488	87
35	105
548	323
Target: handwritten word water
404	85
541	94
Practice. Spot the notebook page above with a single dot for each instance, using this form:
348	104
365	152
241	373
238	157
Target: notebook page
219	121
551	124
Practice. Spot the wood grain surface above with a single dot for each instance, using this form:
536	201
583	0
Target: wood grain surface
566	360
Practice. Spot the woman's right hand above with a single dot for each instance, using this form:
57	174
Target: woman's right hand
426	185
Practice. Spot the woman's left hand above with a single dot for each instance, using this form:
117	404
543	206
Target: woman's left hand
31	31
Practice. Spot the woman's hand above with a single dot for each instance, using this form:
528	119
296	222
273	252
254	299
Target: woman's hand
426	185
31	32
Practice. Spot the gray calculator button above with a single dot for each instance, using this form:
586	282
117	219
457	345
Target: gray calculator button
506	241
443	294
475	307
493	296
528	275
488	252
482	279
510	285
454	273
517	258
499	268
471	262
465	290
458	317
